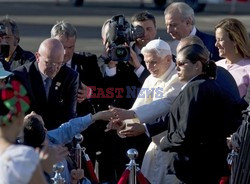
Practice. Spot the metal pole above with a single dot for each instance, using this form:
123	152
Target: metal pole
132	155
58	169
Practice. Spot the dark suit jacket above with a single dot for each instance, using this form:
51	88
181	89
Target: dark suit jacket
227	83
61	103
90	75
209	41
199	120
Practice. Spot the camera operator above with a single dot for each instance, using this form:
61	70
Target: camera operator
119	64
145	20
17	56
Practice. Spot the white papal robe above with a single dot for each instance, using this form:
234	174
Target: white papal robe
147	109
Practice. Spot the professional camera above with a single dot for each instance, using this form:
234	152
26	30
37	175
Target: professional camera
4	48
119	36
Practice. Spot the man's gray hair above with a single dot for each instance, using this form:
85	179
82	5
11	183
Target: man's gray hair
184	9
63	28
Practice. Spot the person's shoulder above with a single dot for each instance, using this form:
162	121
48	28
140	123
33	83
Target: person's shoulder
83	57
205	37
19	150
25	67
22	161
245	62
24	54
204	34
67	72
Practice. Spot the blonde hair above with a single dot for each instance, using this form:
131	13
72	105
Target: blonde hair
237	33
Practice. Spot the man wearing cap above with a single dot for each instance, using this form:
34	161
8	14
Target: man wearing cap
154	100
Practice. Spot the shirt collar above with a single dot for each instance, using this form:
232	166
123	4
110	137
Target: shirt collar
193	32
188	82
68	63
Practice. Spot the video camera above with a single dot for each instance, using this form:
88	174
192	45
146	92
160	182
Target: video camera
119	36
4	48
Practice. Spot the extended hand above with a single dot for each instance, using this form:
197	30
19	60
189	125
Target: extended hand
121	114
51	155
132	129
102	115
84	92
76	175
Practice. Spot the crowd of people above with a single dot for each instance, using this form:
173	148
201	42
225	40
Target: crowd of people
176	103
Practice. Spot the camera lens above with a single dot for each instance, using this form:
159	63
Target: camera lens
121	52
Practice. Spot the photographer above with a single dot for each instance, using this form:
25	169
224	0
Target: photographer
17	56
4	47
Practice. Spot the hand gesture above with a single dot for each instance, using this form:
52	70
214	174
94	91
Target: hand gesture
102	115
134	59
76	175
49	155
132	129
84	92
121	114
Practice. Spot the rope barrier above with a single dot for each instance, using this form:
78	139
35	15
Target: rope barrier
141	178
124	177
132	172
90	168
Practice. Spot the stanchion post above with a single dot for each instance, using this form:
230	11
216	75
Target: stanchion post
78	151
132	155
58	169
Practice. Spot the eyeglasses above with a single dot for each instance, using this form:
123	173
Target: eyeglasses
181	63
50	64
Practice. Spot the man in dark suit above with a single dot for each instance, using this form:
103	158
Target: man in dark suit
51	86
180	23
89	75
84	63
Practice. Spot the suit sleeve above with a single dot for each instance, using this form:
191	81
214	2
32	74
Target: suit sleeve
72	98
144	75
181	127
158	126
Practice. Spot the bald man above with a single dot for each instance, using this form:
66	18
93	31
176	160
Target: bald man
52	86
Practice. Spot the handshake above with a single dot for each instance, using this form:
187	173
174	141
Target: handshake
123	121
